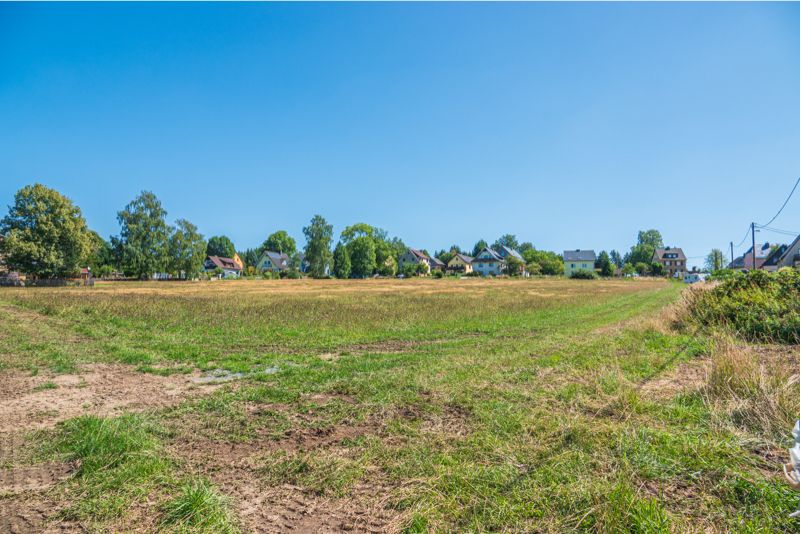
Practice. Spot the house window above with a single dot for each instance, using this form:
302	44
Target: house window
572	265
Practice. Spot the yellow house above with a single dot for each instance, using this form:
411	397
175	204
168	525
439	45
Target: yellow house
461	264
578	260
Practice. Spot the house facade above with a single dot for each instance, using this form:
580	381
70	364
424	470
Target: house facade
229	268
488	262
673	261
505	252
272	261
749	260
460	263
790	257
412	256
578	260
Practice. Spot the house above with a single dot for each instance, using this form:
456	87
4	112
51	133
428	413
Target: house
504	252
436	263
771	263
578	260
460	263
238	261
748	260
673	261
790	256
272	261
488	262
412	256
228	266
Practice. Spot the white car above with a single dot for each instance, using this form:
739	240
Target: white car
691	278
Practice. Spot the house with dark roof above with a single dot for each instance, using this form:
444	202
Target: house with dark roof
230	268
272	261
578	260
790	256
673	261
505	252
460	263
413	256
749	260
771	262
488	262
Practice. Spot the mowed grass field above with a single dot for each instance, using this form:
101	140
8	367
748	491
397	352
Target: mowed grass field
369	406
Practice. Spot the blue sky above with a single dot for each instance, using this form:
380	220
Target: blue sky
570	125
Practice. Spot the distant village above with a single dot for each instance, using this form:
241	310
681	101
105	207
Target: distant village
44	240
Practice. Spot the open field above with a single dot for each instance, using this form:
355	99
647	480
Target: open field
373	406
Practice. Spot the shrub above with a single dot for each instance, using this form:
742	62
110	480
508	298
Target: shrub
758	306
437	273
583	274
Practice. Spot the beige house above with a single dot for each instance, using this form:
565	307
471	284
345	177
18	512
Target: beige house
461	264
673	260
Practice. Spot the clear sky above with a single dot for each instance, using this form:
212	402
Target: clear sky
570	125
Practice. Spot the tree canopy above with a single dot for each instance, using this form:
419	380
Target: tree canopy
506	240
220	245
643	252
341	261
362	256
280	242
480	244
45	234
144	235
715	260
187	249
319	235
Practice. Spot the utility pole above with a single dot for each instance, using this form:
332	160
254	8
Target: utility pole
731	246
753	248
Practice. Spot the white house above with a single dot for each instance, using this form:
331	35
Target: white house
488	262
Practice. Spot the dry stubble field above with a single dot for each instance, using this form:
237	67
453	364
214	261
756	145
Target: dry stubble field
371	406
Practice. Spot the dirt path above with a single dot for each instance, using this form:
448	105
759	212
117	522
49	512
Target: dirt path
34	402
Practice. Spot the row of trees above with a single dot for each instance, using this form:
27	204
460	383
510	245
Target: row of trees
46	235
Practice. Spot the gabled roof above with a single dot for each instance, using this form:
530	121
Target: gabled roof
578	255
774	257
660	253
506	251
279	259
436	261
792	248
463	257
419	254
494	256
738	263
224	263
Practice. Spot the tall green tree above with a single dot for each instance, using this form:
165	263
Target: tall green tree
616	258
526	245
45	234
362	256
479	246
187	249
647	242
506	240
549	263
605	264
341	261
319	235
357	230
143	242
101	258
280	242
220	245
715	260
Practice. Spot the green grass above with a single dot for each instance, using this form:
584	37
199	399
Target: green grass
482	405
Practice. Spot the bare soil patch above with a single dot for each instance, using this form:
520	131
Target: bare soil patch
34	402
687	376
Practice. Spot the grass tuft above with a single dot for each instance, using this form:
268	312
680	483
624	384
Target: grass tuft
198	508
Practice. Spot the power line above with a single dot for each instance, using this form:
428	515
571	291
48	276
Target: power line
748	231
777	230
783	205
